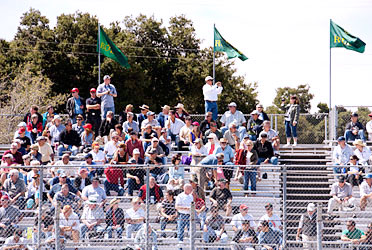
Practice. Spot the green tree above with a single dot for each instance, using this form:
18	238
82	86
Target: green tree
322	108
302	92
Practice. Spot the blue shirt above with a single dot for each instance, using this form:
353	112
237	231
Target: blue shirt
78	110
107	100
273	236
228	153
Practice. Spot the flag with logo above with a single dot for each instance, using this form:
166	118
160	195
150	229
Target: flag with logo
342	38
220	44
106	47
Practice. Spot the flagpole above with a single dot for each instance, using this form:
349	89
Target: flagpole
330	71
99	55
214	65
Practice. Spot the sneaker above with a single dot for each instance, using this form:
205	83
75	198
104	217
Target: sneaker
295	144
163	235
287	145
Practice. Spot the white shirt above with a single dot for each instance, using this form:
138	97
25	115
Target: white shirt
239	218
274	220
100	156
175	126
74	218
202	150
342	155
11	242
184	200
153	123
365	189
185	132
110	147
211	92
134	215
363	156
369	127
237	117
92	215
270	134
69	171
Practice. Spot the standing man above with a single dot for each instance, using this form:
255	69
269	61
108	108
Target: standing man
93	105
307	227
75	105
107	92
211	93
183	206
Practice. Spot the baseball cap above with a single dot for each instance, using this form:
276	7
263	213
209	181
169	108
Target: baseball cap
74	90
106	77
88	125
195	123
132	161
62	175
222	180
355	114
88	156
268	205
150	113
232	104
341	138
136	151
22	124
152	151
311	207
341	178
263	134
243	207
40	138
21	130
254	112
208	78
5	197
93	90
154	139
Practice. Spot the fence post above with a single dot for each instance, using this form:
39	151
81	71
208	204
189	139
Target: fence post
276	123
285	207
319	225
56	230
325	128
147	205
41	177
335	122
192	226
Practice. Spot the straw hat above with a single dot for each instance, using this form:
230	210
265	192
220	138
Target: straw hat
359	142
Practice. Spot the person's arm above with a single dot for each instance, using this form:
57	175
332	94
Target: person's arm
344	237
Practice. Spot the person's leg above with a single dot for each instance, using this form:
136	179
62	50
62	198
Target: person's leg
223	129
252	176
163	223
131	183
84	230
21	202
361	135
246	180
208	234
294	134
74	150
109	232
337	170
129	230
242	132
332	204
215	111
260	160
107	186
347	135
181	224
60	150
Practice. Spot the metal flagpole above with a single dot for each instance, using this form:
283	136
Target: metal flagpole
330	73
214	66
99	54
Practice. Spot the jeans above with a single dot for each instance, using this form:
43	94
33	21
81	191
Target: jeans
349	136
164	222
72	149
250	176
175	138
84	229
97	172
213	234
212	107
21	202
339	170
132	228
183	221
117	188
273	160
119	231
200	218
132	185
104	111
252	137
290	130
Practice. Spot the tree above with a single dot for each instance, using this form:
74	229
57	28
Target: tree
323	108
302	92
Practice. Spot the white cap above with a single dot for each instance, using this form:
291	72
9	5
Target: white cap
136	151
106	77
208	78
232	104
311	207
22	124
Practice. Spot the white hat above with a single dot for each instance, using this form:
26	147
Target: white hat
92	200
22	124
57	117
179	106
208	78
232	104
254	112
311	207
8	156
106	77
136	151
359	142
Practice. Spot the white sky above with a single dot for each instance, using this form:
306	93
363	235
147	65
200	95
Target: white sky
287	42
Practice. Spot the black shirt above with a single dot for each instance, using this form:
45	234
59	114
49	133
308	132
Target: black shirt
221	195
25	141
139	172
150	135
169	207
69	138
93	113
264	150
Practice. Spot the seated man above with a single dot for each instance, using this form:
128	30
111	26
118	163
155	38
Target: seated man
134	217
185	131
362	152
17	156
352	234
265	151
149	120
132	143
135	175
141	238
10	216
107	124
158	149
206	123
341	155
69	223
69	140
273	219
147	136
114	180
115	219
269	238
156	194
156	168
16	189
214	228
212	130
238	219
112	146
130	123
272	135
232	136
354	129
16	241
366	192
342	196
245	237
82	180
92	218
174	126
168	212
221	197
226	150
96	191
65	163
254	126
234	116
65	197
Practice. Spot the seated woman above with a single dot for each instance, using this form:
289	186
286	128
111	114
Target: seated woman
195	133
134	217
354	173
177	172
86	137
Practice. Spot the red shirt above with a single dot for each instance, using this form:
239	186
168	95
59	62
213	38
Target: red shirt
132	145
114	174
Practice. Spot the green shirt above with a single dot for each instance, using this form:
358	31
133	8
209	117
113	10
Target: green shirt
355	234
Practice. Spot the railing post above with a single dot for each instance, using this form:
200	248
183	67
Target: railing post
319	225
192	226
147	205
276	123
56	230
326	128
285	207
41	177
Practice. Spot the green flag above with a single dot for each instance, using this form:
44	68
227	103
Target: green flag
106	47
220	44
341	38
